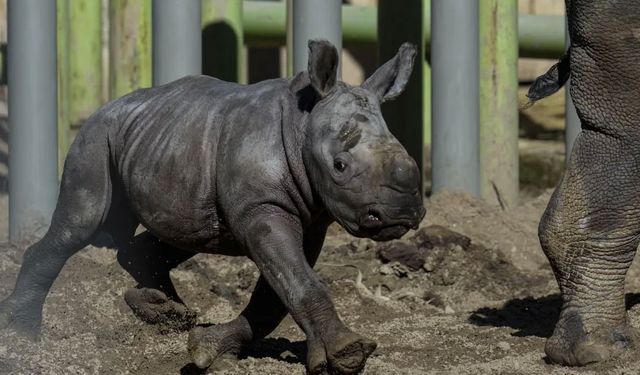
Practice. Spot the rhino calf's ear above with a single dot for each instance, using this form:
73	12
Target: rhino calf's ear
389	81
323	66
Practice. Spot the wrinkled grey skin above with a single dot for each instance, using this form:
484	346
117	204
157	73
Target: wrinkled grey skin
591	227
258	170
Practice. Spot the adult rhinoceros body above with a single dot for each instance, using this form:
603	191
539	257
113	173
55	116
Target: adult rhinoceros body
258	170
591	228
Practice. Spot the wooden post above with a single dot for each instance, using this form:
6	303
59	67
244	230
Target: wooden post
498	31
85	59
130	46
63	20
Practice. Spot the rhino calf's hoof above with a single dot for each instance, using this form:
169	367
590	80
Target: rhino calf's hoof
21	318
153	307
344	353
574	348
214	345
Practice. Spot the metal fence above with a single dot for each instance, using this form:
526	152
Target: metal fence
462	97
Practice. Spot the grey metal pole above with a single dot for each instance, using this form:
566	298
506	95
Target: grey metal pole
33	159
572	122
177	39
314	19
455	105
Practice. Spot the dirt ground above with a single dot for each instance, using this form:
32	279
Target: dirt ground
469	293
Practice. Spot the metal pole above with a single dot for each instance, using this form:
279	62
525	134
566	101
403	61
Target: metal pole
177	39
454	65
540	36
572	122
33	172
499	102
426	77
315	19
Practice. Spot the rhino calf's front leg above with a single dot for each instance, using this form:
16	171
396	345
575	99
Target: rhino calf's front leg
275	244
263	314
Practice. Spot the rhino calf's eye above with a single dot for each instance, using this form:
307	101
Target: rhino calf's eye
339	166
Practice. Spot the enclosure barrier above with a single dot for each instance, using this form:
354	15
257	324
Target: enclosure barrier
314	19
498	112
455	153
264	24
33	172
257	23
177	40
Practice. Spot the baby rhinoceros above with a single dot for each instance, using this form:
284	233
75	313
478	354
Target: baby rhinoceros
258	170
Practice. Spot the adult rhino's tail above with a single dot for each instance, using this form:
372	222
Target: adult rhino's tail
550	82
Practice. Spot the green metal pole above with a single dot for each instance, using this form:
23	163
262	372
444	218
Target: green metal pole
541	36
63	18
360	23
265	24
399	23
223	54
499	101
130	46
85	59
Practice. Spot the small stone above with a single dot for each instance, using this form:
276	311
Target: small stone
439	236
429	264
400	270
404	253
449	310
504	346
385	269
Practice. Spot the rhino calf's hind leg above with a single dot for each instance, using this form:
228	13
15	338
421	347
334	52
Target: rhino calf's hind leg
590	232
155	300
82	203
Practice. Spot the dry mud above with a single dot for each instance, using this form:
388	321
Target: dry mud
470	292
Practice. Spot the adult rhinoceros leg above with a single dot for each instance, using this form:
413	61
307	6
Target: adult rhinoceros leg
82	204
590	232
155	300
261	316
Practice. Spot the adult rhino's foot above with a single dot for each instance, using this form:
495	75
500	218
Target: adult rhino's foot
216	344
153	307
342	352
571	345
23	317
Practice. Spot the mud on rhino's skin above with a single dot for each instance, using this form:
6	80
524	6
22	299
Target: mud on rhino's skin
258	170
591	228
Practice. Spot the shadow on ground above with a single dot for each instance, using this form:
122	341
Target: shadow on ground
530	316
280	349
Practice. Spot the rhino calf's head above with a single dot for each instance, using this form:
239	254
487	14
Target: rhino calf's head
360	171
